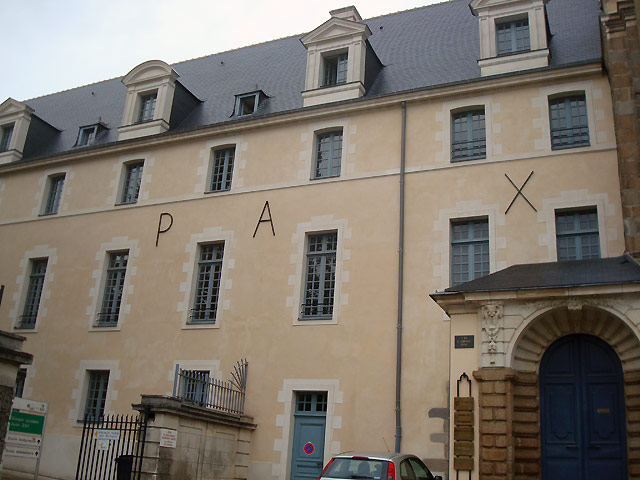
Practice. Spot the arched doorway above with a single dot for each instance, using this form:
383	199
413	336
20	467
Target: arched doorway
582	412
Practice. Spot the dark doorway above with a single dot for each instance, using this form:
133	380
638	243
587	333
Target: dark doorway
582	415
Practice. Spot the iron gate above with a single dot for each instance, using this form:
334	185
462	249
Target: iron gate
112	447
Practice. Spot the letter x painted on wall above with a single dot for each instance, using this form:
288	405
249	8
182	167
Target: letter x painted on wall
519	193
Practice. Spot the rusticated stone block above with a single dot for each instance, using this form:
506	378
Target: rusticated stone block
494	454
494	401
494	427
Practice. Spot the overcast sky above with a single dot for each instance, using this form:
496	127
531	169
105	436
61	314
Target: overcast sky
54	45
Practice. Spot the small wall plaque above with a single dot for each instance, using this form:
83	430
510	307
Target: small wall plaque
463	341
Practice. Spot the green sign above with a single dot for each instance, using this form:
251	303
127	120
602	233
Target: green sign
26	423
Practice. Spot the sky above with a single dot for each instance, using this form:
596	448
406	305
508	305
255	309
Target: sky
55	45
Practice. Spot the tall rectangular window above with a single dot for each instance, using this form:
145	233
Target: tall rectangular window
513	36
113	288
328	155
56	184
5	137
205	302
131	184
335	70
320	275
469	250
147	107
195	386
569	122
21	379
96	394
34	292
468	135
577	235
222	169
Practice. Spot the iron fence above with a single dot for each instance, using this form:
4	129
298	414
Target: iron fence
112	447
197	387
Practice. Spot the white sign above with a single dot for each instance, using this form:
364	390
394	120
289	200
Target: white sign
18	451
102	445
168	438
101	434
24	405
23	439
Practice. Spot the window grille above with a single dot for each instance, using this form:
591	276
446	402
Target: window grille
205	303
320	276
131	184
513	37
147	107
468	135
335	70
96	394
469	250
55	194
5	139
113	288
34	292
222	169
328	155
569	122
577	235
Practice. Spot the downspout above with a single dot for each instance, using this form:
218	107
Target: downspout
400	280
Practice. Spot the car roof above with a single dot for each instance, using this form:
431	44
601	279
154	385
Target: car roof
374	455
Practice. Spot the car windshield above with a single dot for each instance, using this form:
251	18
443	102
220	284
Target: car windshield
345	468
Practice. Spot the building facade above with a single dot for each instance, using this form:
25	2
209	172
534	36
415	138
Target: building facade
295	203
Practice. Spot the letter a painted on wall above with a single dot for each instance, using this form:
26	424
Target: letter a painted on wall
262	219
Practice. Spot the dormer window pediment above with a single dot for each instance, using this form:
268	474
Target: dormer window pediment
15	118
513	35
336	55
150	91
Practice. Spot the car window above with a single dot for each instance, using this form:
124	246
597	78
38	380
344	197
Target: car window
420	469
406	472
356	468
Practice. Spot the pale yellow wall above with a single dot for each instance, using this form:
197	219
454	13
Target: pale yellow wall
353	356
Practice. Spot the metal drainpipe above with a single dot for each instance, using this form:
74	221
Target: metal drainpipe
400	281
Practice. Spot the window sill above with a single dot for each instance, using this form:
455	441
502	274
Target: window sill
200	325
124	204
332	320
209	192
328	177
105	328
466	159
568	147
49	214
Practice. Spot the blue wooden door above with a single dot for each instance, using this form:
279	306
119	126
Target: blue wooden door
308	435
582	415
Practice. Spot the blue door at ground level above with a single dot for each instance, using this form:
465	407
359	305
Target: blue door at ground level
582	415
308	435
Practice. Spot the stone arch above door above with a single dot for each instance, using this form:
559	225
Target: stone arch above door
533	338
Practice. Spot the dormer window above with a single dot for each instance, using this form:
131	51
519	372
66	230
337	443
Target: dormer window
150	95
338	56
7	131
248	103
335	70
147	107
86	136
513	36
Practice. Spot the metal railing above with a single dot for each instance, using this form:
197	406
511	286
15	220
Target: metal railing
199	388
111	447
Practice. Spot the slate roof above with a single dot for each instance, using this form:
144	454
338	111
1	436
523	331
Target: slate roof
577	273
420	48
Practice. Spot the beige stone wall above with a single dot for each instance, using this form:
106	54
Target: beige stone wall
353	355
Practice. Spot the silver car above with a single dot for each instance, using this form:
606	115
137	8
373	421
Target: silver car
376	466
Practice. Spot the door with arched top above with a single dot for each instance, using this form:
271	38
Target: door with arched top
582	416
